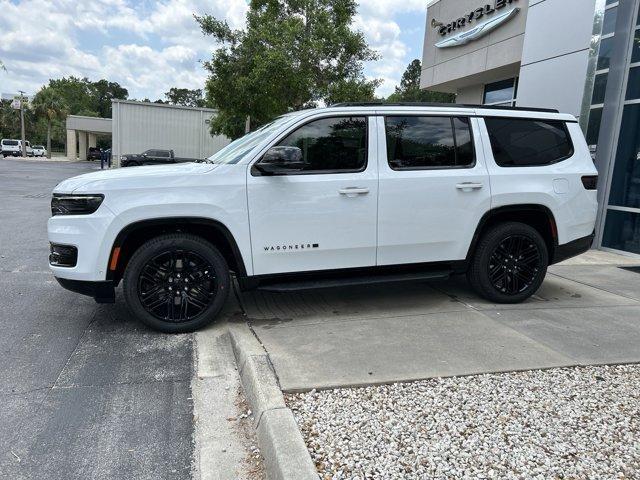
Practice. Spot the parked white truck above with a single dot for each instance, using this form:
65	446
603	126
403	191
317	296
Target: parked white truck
353	193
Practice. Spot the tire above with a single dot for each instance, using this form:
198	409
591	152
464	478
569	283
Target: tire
174	263
524	257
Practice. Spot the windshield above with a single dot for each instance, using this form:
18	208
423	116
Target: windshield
236	150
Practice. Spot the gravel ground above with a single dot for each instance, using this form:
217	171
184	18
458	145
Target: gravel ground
569	423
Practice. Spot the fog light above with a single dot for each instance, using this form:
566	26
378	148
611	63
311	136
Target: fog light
63	255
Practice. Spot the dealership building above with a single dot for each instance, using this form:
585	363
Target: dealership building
578	56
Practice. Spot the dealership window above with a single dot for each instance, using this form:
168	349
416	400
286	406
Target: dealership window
609	22
604	55
622	231
331	144
415	143
633	84
501	93
528	143
599	87
593	128
635	56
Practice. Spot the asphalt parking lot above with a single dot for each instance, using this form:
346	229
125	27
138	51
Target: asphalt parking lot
85	393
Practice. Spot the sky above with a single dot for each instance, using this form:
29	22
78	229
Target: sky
149	47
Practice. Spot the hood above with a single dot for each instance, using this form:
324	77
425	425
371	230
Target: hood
99	179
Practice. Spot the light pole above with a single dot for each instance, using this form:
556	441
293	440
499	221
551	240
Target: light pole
24	142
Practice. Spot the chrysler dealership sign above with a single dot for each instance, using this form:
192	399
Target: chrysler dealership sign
494	15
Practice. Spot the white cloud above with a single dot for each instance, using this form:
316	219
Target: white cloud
377	20
150	47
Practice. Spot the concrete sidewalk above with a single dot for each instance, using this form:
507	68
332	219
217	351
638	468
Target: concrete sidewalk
587	312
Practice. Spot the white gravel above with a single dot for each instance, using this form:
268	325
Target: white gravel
570	423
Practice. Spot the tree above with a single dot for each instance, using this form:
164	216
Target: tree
2	67
84	97
185	97
76	94
48	104
103	92
409	89
293	54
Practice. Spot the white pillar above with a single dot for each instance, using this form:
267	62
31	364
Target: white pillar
92	140
71	144
82	145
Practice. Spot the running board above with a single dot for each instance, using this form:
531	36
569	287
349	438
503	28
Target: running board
312	284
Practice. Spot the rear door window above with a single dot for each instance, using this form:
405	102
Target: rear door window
428	142
520	142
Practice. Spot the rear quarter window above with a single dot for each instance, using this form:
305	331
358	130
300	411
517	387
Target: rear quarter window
527	142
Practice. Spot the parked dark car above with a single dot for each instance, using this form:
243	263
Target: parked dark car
152	157
94	153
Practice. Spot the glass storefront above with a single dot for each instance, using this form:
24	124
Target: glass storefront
621	229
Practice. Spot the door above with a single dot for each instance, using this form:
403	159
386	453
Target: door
434	188
323	215
152	157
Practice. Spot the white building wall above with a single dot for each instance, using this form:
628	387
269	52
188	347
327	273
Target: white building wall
139	126
555	54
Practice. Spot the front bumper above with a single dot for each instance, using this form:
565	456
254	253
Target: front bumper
91	235
572	249
102	291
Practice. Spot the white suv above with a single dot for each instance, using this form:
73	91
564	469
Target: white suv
348	194
10	147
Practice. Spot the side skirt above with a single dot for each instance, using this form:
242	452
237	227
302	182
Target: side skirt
289	282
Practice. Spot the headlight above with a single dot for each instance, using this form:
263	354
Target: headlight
123	157
63	204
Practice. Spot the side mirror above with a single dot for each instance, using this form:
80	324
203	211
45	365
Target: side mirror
280	160
144	155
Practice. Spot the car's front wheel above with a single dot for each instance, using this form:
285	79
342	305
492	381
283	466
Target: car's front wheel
509	264
176	283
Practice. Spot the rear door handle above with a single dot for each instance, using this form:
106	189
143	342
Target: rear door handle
469	186
353	191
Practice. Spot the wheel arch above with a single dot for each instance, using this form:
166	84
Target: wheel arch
537	216
132	236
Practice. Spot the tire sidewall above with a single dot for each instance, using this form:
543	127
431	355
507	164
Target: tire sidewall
487	246
169	242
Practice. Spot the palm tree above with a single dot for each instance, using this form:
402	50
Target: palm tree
49	105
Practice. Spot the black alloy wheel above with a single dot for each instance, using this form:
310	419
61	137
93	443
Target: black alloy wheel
176	283
509	263
514	264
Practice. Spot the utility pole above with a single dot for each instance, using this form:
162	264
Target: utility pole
24	140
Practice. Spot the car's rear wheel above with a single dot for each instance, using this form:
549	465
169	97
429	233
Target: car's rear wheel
509	264
176	283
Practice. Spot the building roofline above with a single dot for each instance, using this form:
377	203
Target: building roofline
87	116
165	105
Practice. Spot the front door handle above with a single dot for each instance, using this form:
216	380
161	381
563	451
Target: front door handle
353	191
469	186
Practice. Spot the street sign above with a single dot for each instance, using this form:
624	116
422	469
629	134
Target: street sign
15	103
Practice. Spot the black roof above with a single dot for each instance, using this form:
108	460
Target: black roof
441	105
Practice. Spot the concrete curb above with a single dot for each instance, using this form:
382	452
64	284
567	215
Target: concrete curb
283	449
